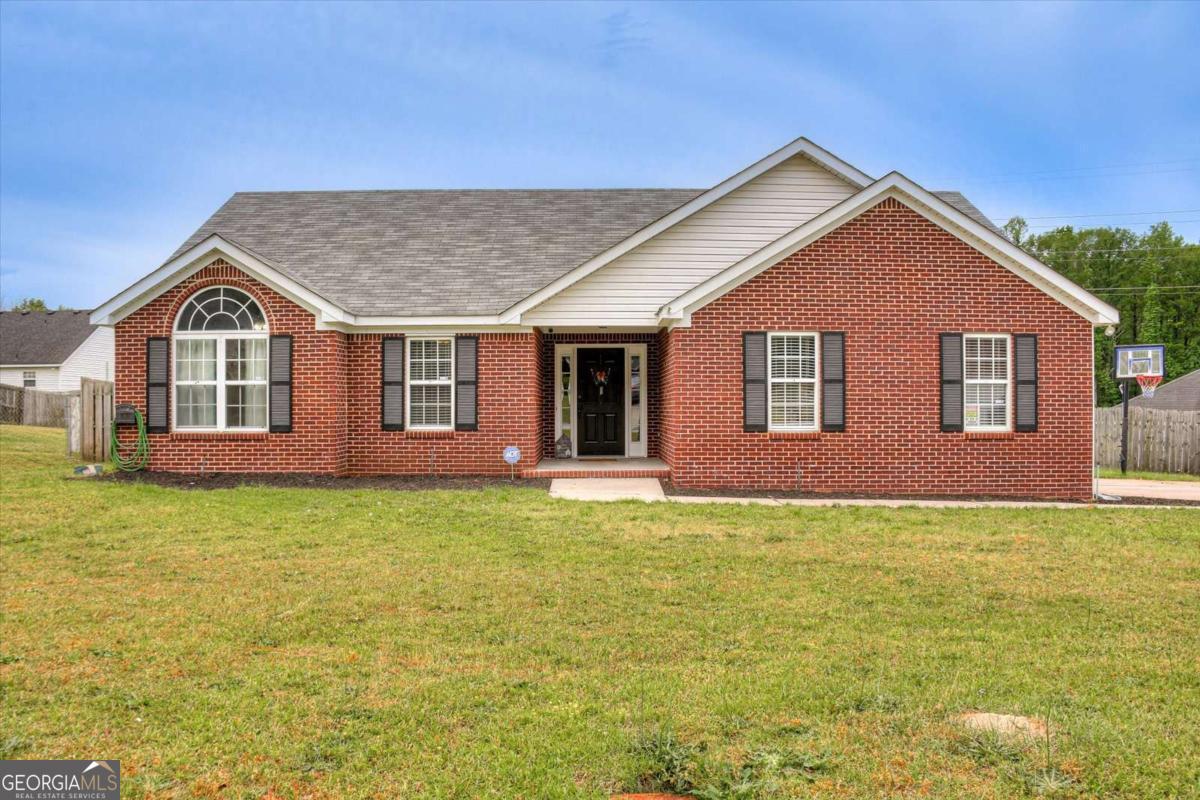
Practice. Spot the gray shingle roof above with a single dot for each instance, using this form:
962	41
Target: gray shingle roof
967	207
1181	394
430	252
417	253
36	337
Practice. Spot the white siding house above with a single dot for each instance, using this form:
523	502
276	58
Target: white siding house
52	350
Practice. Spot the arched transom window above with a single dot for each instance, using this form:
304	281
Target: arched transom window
221	362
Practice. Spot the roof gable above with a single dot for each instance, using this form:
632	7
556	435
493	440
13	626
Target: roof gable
799	147
629	289
41	337
417	253
942	213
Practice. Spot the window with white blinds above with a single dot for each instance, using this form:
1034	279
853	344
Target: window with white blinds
430	383
792	370
987	377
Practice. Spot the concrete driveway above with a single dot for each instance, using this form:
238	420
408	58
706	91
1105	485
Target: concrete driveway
1162	490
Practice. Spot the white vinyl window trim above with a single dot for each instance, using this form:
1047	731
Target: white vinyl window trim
223	345
987	382
29	379
429	379
195	347
793	372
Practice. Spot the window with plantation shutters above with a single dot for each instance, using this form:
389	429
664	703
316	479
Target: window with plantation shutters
280	373
392	390
792	370
986	379
158	380
754	382
1025	373
430	384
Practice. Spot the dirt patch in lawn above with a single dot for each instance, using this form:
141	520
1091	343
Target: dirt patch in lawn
671	489
293	480
1004	724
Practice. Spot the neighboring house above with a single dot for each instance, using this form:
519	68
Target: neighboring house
52	350
799	325
1181	394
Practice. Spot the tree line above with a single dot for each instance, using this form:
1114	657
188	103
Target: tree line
1152	278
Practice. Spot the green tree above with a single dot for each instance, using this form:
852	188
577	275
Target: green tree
1141	276
30	304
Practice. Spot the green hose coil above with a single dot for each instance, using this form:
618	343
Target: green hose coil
135	456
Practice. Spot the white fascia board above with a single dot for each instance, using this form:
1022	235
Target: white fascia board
30	366
800	146
421	325
196	259
928	205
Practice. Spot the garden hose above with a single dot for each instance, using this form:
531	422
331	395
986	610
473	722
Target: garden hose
140	455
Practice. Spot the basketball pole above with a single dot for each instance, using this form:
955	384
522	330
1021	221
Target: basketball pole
1124	424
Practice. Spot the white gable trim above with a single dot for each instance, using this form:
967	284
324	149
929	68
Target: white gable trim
197	258
801	146
926	204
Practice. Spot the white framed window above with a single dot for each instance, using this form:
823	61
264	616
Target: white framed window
29	378
430	377
792	369
220	372
987	382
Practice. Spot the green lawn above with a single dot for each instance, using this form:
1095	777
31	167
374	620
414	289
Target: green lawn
1105	472
304	643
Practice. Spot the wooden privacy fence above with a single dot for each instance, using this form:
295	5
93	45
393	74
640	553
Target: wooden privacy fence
89	420
20	406
1159	441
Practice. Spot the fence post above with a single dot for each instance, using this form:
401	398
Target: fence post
74	421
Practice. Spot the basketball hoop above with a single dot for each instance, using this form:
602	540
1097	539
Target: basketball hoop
1149	383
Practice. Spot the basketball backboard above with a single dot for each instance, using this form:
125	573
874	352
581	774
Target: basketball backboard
1133	360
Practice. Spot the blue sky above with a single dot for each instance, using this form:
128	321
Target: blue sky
122	127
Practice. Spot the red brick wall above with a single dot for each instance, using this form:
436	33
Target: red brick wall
336	395
317	442
510	379
893	281
550	375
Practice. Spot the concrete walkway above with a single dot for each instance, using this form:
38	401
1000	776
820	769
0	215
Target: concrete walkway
650	490
607	489
1161	490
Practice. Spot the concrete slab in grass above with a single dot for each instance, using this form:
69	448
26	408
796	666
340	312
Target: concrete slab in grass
606	489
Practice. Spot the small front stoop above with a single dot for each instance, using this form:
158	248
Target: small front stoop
599	468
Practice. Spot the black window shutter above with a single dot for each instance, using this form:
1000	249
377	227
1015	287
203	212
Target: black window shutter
158	384
1026	373
952	382
392	391
466	383
281	384
833	381
754	382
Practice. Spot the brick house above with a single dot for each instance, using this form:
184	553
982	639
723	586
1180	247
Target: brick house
799	325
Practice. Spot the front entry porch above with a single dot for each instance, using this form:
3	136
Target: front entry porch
600	404
599	468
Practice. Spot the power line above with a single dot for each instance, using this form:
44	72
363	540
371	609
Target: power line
1060	170
1122	224
1082	216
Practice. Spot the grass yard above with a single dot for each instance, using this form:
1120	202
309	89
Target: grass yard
1106	472
306	643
